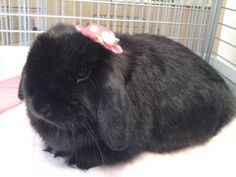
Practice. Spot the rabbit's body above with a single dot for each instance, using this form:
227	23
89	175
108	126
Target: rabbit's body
187	96
156	96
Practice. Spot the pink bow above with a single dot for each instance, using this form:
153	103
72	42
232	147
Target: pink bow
101	35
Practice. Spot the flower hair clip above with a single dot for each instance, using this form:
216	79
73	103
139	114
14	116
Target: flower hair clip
101	35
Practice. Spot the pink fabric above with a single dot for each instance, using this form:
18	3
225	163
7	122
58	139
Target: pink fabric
101	35
9	93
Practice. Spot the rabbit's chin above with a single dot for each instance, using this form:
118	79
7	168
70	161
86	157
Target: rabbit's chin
62	137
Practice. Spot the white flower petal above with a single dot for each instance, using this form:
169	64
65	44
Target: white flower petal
108	38
93	28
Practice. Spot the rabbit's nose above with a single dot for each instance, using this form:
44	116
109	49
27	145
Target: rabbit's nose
45	110
33	109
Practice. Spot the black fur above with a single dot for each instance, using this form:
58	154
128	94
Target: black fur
156	96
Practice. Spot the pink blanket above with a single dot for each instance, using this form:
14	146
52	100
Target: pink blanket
8	93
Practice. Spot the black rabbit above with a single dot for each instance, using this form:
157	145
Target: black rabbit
96	107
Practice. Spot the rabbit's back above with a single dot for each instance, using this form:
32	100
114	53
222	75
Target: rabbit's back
186	98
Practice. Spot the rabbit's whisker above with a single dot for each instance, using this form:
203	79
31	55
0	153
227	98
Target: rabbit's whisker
92	135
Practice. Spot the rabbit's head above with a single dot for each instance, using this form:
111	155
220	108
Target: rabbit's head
74	84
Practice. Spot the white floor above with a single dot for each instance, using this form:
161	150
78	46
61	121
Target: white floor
21	149
21	155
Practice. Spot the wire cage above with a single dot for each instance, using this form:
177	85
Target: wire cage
197	24
185	21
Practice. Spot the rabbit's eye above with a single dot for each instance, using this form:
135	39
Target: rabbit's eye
83	73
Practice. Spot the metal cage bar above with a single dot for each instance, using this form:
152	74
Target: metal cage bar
212	27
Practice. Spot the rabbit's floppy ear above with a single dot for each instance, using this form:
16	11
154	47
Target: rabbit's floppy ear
20	90
115	117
